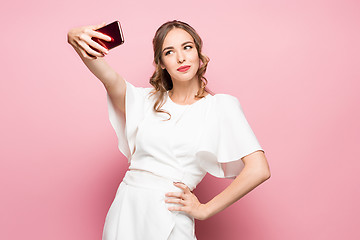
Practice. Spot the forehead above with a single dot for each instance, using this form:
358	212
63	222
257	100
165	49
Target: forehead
176	37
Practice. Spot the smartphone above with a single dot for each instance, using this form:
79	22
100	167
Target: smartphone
114	31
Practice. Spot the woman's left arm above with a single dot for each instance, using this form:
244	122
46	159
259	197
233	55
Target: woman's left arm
256	170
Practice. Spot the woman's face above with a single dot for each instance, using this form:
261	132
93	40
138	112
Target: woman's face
180	56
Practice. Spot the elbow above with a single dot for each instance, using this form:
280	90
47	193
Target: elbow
260	174
265	170
264	174
258	166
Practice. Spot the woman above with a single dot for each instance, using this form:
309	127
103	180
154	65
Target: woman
172	134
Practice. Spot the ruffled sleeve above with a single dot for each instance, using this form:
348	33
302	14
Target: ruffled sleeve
227	137
126	127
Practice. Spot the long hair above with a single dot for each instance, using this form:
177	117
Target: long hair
161	79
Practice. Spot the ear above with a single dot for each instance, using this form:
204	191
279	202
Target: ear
161	65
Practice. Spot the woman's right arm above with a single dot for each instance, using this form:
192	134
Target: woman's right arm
80	39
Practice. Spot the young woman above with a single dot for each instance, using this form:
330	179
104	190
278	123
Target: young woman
172	133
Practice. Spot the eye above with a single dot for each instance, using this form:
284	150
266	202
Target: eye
188	47
168	52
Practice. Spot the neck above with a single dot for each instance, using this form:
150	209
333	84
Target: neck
184	92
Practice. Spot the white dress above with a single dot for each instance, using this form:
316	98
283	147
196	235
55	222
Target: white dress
210	135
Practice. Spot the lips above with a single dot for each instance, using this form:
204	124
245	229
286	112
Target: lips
183	68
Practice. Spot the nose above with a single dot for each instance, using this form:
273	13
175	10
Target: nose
181	57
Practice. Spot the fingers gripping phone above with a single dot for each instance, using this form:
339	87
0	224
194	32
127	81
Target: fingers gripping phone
112	30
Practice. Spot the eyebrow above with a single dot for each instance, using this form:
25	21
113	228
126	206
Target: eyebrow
171	47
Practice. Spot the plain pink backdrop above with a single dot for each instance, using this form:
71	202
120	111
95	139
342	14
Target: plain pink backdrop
294	66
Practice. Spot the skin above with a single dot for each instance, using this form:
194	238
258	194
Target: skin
80	39
185	87
179	50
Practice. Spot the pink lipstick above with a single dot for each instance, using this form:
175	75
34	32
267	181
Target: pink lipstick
183	68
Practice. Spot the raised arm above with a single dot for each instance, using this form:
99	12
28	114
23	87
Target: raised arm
80	39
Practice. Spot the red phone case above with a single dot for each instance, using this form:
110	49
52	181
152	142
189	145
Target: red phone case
112	30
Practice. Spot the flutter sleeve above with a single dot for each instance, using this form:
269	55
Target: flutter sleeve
126	125
227	137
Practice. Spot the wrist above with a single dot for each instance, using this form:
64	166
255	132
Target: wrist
206	211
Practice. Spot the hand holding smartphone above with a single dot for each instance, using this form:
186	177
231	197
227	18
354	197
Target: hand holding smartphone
112	30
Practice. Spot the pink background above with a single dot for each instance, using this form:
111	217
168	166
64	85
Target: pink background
294	66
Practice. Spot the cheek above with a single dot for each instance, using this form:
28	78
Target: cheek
166	63
169	61
195	58
196	61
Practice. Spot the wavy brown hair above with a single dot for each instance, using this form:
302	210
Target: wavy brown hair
161	79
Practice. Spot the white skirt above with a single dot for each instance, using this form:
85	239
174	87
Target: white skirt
139	211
